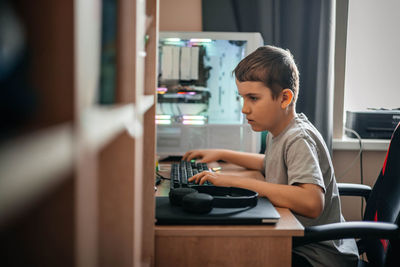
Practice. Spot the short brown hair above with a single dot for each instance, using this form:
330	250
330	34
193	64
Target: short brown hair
271	65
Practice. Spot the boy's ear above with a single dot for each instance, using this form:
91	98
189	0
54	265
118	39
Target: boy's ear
287	97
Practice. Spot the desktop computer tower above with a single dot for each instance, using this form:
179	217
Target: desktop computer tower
198	106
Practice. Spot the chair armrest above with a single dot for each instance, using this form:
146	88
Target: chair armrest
333	231
360	190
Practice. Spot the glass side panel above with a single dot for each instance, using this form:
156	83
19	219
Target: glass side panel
196	85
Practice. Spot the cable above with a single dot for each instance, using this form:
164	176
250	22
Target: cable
158	180
162	177
359	153
361	164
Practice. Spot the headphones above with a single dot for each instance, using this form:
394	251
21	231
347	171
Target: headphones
201	199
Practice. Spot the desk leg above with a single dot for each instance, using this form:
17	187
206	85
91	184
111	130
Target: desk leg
223	251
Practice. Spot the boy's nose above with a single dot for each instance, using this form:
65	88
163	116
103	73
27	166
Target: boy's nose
245	109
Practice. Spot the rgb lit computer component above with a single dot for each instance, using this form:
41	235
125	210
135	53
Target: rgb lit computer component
197	101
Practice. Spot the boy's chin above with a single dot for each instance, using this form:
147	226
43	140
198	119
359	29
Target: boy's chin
257	129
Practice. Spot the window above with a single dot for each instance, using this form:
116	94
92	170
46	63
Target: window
366	57
372	55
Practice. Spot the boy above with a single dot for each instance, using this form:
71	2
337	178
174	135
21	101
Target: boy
297	166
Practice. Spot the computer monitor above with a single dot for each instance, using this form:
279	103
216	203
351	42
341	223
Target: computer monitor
197	101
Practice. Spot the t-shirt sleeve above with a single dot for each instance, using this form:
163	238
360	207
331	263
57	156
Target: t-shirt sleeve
303	164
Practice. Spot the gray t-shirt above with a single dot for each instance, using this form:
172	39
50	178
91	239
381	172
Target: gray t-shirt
299	155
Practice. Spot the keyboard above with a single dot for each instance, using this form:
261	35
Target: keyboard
182	171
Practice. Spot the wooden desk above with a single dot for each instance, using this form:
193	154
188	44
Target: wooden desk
226	245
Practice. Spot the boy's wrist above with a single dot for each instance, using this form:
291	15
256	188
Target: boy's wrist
237	182
222	154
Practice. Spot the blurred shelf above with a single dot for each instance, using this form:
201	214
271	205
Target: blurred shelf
57	199
100	124
145	103
32	165
149	23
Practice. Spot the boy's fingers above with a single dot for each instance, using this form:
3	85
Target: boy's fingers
195	178
197	155
188	156
202	180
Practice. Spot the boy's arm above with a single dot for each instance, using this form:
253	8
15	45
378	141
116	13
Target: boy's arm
304	199
247	160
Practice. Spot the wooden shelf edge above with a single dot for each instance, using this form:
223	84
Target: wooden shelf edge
145	103
31	165
100	124
149	22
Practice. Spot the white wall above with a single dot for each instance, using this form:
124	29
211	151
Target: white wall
373	55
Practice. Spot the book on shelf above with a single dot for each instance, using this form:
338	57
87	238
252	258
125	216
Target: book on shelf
108	69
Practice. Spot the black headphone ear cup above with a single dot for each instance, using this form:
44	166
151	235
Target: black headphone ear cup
176	195
197	203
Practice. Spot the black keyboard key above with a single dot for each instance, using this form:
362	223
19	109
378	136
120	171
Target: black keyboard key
182	171
204	166
175	175
184	177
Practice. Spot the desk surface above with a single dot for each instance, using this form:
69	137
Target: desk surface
226	245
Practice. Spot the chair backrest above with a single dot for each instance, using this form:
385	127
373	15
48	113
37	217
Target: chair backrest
384	202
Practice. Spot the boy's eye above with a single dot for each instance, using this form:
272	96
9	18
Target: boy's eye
253	98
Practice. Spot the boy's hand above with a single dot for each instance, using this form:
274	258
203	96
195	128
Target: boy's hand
216	179
205	155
